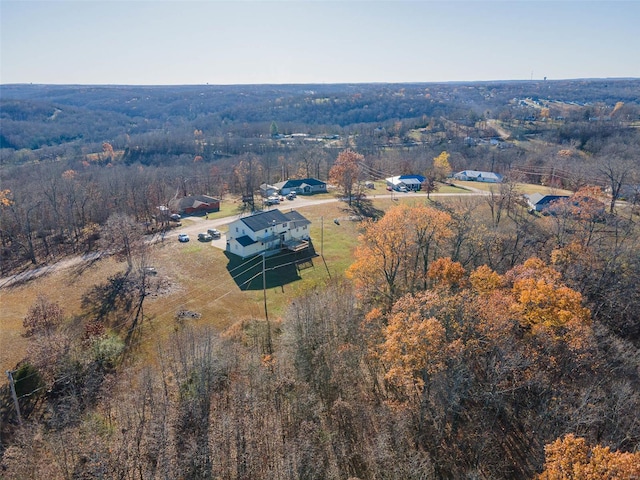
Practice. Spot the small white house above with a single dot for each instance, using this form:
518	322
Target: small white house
477	176
405	183
268	232
267	190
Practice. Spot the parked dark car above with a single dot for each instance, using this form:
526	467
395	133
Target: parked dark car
214	232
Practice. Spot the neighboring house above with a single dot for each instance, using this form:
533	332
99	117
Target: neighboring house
304	186
194	204
406	182
268	232
539	202
267	190
477	176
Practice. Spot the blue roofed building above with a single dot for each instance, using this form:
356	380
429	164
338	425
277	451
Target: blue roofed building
303	186
539	202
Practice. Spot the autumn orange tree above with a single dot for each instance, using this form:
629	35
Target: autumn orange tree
542	302
570	458
107	152
5	198
344	172
393	255
473	357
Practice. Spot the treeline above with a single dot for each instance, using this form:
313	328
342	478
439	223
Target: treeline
53	209
56	208
45	118
451	352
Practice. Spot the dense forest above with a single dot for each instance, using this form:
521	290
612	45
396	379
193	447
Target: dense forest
467	338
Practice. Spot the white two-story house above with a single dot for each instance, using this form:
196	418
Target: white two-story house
268	232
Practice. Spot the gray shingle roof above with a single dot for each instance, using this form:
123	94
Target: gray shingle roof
261	220
297	219
192	201
542	199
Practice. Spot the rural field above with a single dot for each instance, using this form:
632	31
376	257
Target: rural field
196	277
193	277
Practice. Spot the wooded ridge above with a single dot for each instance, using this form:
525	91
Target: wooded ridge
438	337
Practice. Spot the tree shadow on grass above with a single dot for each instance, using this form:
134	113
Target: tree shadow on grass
364	208
280	269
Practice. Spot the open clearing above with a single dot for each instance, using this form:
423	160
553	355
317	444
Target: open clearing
195	276
192	276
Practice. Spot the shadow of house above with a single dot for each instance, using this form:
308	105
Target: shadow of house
364	207
279	270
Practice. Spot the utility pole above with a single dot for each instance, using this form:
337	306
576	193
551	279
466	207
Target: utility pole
322	237
322	245
266	312
12	385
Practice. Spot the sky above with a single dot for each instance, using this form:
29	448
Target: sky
161	42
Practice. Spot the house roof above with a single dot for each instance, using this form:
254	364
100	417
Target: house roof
297	219
262	220
417	178
394	180
542	199
245	240
479	174
295	183
192	201
406	179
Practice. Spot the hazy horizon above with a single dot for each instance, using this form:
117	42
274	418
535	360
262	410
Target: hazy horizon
163	43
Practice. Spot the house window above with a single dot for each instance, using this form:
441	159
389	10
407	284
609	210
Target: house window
284	225
236	229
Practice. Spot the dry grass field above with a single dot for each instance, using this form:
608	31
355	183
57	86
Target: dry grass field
191	276
198	277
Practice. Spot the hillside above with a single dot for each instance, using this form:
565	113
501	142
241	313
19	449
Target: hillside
54	119
452	334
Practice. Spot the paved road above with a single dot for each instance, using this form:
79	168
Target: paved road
201	224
